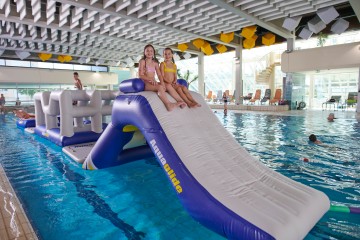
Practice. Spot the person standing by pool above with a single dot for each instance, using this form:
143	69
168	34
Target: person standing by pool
77	81
225	100
2	103
148	66
169	73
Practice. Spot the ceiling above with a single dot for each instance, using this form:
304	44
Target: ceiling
110	31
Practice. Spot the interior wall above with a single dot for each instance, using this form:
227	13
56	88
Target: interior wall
52	76
321	58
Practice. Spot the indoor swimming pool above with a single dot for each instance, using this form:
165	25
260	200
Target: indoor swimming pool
136	201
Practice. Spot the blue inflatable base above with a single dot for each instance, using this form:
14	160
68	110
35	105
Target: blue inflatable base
79	137
25	123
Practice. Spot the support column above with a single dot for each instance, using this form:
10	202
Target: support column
358	96
289	76
311	91
201	86
239	87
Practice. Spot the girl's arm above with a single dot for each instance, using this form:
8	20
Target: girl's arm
175	76
142	73
162	70
159	74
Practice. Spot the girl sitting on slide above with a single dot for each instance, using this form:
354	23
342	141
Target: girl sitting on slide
148	66
169	73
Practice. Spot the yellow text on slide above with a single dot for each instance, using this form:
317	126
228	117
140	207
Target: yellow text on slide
166	166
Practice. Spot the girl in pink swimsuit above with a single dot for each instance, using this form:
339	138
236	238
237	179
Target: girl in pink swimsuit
148	66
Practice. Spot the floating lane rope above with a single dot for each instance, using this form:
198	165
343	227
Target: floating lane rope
344	209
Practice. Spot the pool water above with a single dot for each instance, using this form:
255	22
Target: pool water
136	201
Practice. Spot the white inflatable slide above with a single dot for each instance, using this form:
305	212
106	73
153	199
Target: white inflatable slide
283	208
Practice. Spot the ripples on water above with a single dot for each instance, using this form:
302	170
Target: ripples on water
281	142
135	201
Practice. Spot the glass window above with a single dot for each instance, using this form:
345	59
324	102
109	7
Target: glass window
16	63
82	67
99	69
42	65
63	66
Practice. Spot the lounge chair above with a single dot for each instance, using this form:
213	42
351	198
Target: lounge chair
276	98
266	96
209	96
332	101
247	97
352	99
256	97
219	96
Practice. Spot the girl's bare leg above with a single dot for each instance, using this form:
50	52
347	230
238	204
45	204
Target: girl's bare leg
162	95
175	95
183	96
189	97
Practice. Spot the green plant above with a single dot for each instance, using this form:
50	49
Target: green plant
187	77
30	91
322	39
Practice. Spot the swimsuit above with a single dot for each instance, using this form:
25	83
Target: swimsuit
150	69
172	70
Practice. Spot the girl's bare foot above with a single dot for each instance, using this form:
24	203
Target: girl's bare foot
193	105
171	106
182	104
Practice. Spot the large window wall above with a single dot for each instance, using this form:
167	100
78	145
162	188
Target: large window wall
16	93
315	87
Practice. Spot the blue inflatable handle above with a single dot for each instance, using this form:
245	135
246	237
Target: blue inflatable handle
132	85
183	82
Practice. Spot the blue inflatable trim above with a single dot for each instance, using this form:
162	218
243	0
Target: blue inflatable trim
25	123
183	82
137	85
79	137
132	85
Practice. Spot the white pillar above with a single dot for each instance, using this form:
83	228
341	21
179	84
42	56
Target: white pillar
311	91
238	74
201	87
358	96
289	76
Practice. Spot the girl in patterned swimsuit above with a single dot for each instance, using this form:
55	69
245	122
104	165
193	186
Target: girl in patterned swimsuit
169	73
148	66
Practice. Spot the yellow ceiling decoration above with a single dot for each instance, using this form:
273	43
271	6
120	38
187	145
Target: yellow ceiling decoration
250	43
198	43
227	37
268	39
248	32
182	46
64	58
207	49
221	48
44	56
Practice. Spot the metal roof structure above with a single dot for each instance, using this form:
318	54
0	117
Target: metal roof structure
114	31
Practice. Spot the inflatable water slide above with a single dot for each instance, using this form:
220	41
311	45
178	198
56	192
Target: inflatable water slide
218	182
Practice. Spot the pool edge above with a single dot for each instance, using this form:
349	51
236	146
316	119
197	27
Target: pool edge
14	222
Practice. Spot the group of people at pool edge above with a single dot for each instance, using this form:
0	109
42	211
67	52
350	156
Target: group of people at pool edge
167	75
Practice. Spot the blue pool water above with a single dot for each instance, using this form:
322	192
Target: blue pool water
136	201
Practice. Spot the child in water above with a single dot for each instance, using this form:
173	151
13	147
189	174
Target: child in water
169	73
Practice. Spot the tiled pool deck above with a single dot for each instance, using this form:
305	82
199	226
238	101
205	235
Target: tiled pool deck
14	223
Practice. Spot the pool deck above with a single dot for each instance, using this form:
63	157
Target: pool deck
14	223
